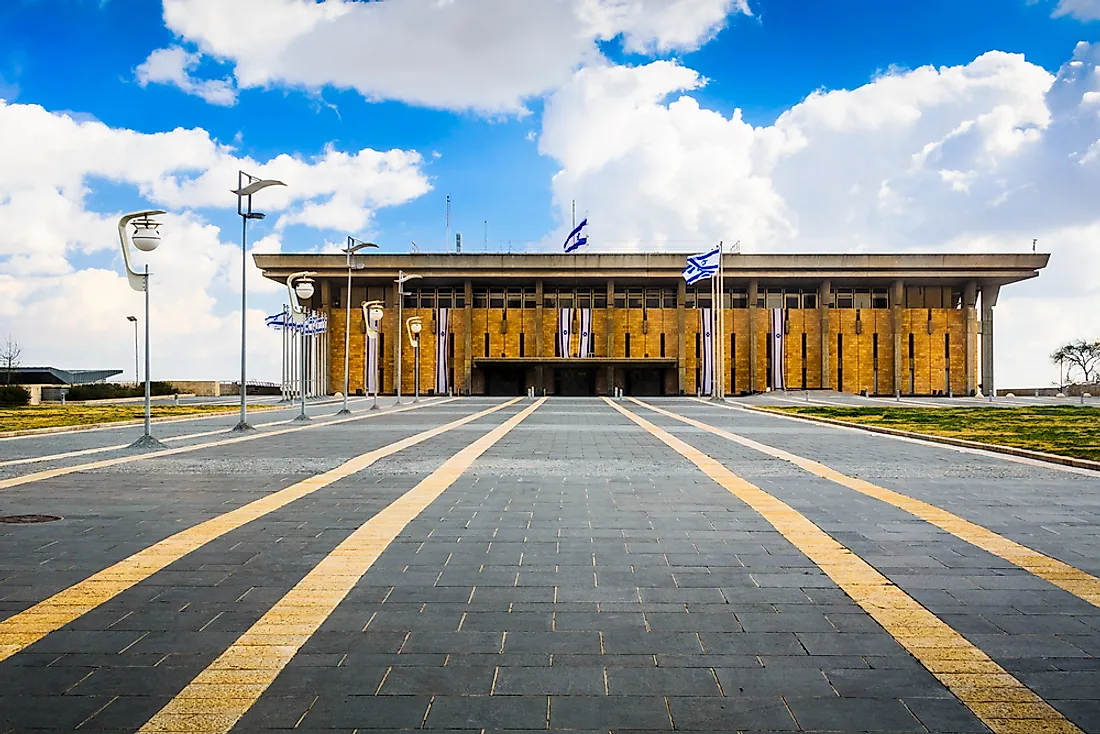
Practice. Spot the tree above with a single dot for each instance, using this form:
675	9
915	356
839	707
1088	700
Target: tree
9	358
1083	355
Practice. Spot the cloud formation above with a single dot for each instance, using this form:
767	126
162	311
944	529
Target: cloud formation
174	66
482	55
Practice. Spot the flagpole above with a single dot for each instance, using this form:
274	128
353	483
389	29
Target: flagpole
722	319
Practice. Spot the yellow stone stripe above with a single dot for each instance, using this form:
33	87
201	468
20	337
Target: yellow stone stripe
1005	704
62	471
27	627
222	693
116	447
1077	582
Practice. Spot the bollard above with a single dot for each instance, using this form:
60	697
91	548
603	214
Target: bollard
897	395
177	398
807	396
62	397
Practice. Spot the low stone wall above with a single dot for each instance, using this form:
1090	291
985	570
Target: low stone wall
1049	392
202	388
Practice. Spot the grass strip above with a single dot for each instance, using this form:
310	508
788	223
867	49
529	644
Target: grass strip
1056	429
30	417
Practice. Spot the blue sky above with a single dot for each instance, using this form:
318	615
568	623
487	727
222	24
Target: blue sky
506	159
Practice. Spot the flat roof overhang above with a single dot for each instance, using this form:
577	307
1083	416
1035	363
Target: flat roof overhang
993	268
576	361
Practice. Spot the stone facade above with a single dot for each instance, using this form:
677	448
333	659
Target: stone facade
880	324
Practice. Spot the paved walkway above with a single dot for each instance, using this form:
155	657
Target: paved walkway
564	564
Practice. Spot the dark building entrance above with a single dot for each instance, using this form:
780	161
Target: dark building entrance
644	382
504	381
574	382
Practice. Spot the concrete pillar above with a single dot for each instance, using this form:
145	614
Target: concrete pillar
990	291
897	302
825	301
540	383
610	334
970	315
754	293
468	337
681	336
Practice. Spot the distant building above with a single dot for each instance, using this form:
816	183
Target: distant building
46	383
919	324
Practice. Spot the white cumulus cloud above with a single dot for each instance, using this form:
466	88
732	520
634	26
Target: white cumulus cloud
174	65
1079	9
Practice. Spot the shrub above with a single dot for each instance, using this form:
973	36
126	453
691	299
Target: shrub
13	395
107	390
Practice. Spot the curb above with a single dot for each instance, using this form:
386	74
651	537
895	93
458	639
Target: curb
993	448
116	424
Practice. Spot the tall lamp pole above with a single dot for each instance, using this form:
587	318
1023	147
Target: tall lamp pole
353	247
137	371
414	325
402	278
145	237
373	312
247	185
300	286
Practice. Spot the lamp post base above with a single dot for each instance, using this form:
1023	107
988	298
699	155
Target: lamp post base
147	442
302	418
243	427
344	411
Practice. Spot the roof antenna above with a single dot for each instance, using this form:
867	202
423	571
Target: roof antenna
1033	243
414	247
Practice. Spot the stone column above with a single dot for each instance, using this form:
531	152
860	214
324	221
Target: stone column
540	384
990	291
897	302
468	337
754	293
825	301
610	334
681	334
970	346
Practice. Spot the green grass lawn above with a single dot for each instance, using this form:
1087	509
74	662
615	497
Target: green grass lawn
1066	430
52	416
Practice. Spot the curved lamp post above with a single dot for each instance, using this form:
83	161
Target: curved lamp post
372	320
402	278
353	247
300	286
145	237
247	185
414	325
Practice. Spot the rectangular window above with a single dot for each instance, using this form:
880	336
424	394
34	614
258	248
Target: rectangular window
840	362
634	298
628	344
620	298
809	299
689	298
522	352
514	298
844	298
773	299
584	298
496	298
740	298
411	300
792	300
668	298
863	298
486	344
880	298
652	298
662	345
565	299
803	361
550	299
529	300
703	299
599	298
427	299
481	298
445	298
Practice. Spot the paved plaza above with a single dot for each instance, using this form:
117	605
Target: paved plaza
486	564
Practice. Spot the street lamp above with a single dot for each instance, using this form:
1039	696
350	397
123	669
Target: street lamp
372	318
415	327
300	292
247	185
145	237
402	278
137	371
353	247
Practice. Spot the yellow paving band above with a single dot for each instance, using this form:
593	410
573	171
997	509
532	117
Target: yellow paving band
62	471
27	627
1005	704
222	693
1077	582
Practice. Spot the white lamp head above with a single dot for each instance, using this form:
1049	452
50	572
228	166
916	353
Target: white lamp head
416	327
376	314
146	236
304	289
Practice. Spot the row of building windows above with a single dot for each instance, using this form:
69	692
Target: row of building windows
790	298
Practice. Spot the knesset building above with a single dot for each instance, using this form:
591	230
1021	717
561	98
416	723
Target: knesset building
916	324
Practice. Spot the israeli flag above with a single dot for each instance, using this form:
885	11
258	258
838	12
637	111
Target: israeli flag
576	238
700	267
278	321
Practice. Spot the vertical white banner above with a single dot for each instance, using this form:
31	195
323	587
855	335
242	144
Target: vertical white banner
779	351
706	364
584	346
565	331
442	373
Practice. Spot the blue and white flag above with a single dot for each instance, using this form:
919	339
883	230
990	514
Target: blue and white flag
565	331
779	350
706	352
576	238
700	267
584	345
442	367
314	325
278	321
